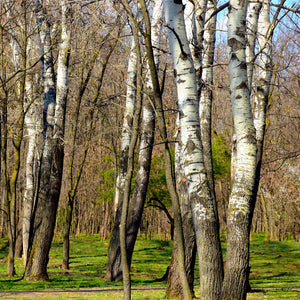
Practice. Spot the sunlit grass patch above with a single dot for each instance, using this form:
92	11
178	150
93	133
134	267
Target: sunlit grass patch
274	265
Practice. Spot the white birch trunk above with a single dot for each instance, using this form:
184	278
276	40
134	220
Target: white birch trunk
34	128
53	145
205	222
147	139
262	88
264	71
238	219
252	21
113	271
206	95
127	121
195	16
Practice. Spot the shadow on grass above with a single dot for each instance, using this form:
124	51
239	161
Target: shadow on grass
3	248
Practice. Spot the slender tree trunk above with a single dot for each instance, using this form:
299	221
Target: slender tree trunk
168	161
143	172
130	168
146	145
206	96
262	89
33	126
238	219
113	265
200	196
251	31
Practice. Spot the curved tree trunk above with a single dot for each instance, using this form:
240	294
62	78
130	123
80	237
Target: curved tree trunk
113	265
157	96
262	89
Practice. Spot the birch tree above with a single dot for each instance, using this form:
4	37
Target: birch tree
33	136
157	96
147	138
201	200
262	89
238	218
113	265
55	96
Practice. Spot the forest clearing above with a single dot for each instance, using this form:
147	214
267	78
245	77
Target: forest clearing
274	274
150	135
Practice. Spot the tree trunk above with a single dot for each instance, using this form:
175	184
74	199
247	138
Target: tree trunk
130	164
251	31
143	172
238	220
146	146
206	95
113	265
53	147
174	287
262	90
33	126
200	196
157	96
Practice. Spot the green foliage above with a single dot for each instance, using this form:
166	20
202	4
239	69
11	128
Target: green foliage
157	188
221	156
107	177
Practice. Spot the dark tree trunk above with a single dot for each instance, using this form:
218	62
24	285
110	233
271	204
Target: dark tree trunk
142	180
174	287
113	265
66	236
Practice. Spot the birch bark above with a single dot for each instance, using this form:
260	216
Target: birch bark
238	219
33	126
201	200
147	138
157	96
206	95
53	147
113	265
262	89
251	32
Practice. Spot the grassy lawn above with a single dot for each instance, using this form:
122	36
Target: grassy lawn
275	265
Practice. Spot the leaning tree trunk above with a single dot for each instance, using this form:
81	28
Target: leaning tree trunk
53	147
262	89
130	164
201	199
146	146
238	219
157	96
113	265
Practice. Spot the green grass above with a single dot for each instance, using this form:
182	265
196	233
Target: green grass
274	265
